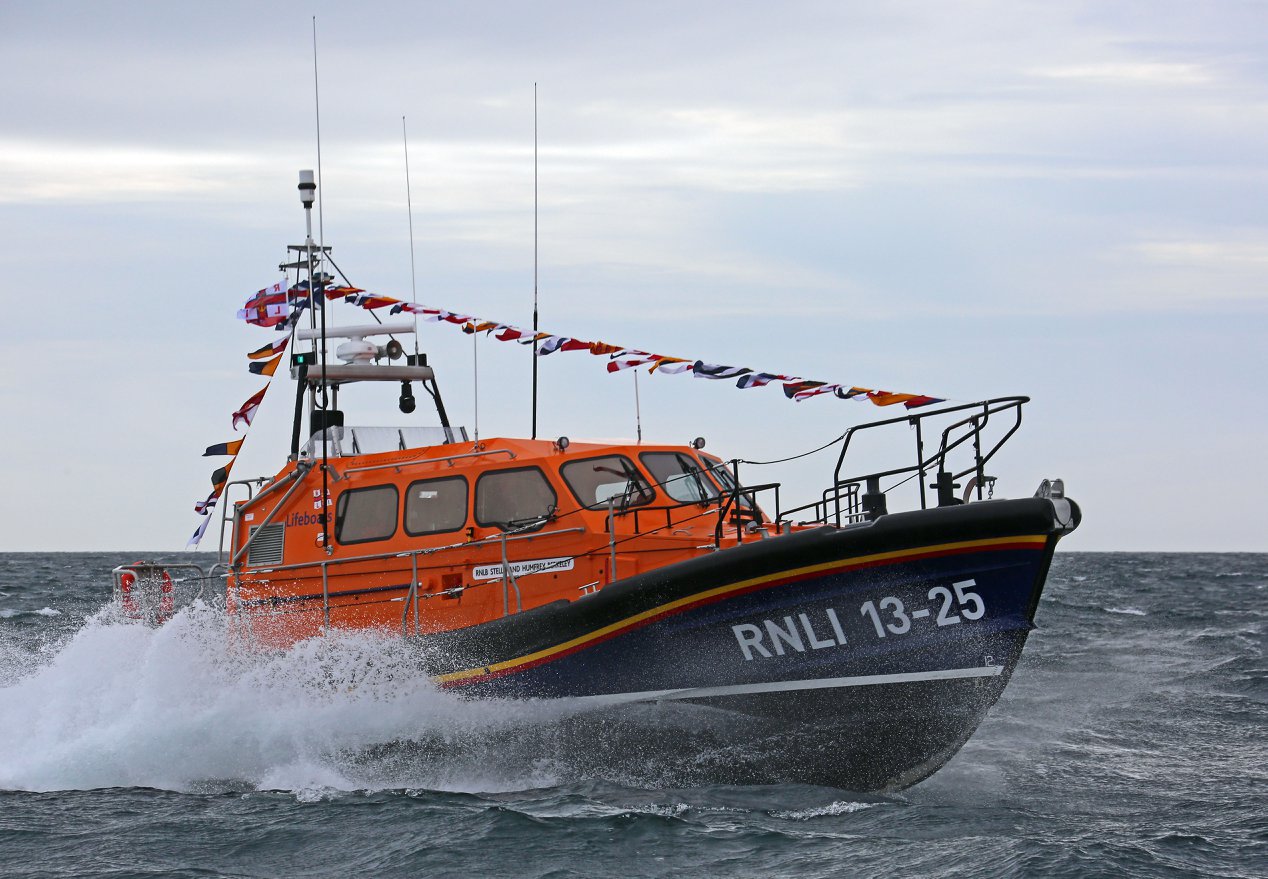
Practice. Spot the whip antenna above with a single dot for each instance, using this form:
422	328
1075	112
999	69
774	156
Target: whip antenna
409	206
321	219
638	410
534	260
317	299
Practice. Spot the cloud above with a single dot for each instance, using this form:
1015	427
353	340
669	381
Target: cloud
40	171
1131	73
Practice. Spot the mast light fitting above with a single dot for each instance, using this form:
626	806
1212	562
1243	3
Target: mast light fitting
307	188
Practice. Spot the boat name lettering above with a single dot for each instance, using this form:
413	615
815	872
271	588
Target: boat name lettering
522	569
889	616
304	519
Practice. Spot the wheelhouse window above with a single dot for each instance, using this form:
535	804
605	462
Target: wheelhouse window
514	498
680	476
364	514
433	506
718	470
595	481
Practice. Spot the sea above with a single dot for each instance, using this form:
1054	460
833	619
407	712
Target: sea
1132	741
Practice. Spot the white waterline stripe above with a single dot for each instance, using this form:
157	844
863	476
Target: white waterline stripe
986	671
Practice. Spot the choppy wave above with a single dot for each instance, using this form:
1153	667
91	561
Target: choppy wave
1124	745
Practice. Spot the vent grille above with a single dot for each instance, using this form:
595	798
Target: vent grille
266	547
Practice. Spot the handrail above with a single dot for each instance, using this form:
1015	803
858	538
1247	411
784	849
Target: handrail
426	550
401	464
978	421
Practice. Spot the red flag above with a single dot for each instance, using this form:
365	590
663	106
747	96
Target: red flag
248	410
922	401
267	307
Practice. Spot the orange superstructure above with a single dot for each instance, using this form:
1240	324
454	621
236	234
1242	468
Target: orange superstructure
454	535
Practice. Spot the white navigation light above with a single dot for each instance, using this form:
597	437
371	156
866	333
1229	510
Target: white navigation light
307	188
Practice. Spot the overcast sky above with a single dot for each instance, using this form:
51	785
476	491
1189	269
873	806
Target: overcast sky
968	199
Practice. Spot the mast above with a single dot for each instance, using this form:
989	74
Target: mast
534	261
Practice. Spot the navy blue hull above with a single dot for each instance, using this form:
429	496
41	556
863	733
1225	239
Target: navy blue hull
861	658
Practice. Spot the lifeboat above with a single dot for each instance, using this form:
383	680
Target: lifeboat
836	643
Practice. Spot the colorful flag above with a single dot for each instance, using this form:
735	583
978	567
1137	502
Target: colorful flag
298	306
249	408
267	307
762	379
792	389
628	359
795	388
807	393
220	476
551	344
361	300
263	314
197	536
715	371
229	448
921	400
672	365
269	350
267	367
336	292
415	308
851	394
888	398
202	508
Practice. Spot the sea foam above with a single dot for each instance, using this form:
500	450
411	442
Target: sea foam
177	707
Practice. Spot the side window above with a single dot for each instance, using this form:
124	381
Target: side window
595	480
363	514
436	505
514	498
680	476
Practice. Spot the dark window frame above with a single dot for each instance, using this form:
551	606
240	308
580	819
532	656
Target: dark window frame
341	508
466	507
475	500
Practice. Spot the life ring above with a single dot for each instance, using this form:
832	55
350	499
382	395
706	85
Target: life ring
132	599
166	596
127	580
